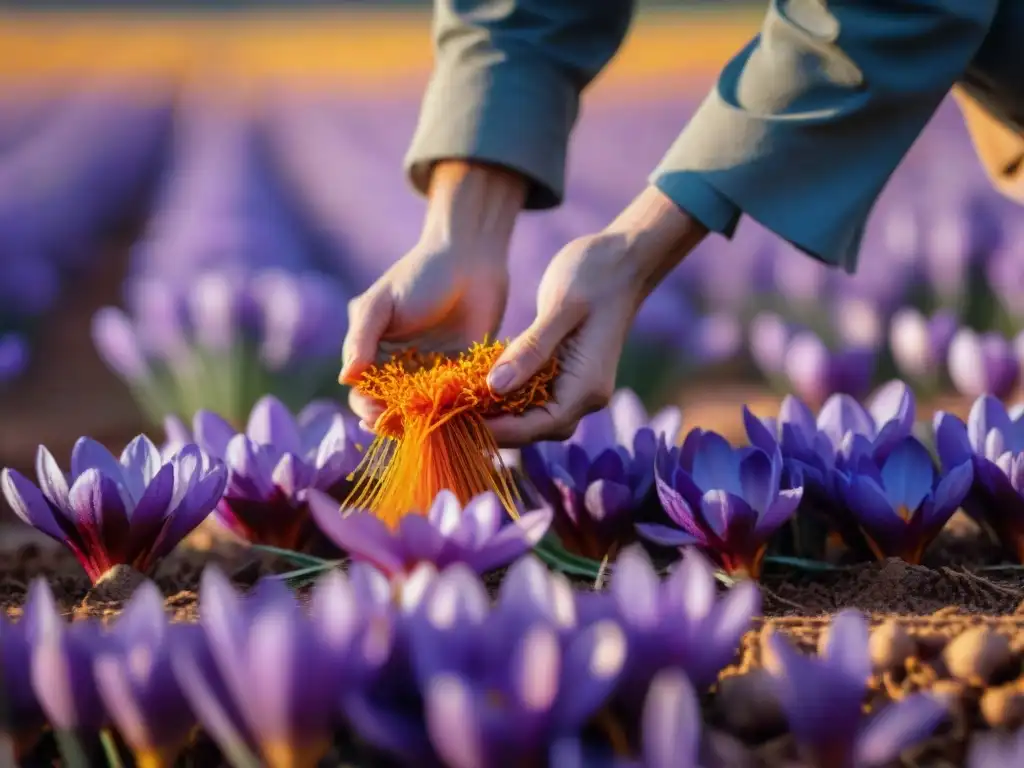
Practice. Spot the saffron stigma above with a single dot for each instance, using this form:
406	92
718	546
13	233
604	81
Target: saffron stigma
432	434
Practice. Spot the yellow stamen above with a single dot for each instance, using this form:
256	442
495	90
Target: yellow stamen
432	434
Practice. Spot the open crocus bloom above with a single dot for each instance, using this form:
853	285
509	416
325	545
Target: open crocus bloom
726	501
108	511
902	503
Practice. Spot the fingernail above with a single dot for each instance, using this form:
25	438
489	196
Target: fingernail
501	377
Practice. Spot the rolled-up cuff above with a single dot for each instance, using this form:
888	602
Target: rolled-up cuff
516	114
699	199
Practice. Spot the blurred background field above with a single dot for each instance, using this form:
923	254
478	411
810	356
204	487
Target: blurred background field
224	178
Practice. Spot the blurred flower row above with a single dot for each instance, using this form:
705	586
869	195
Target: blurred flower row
436	673
264	214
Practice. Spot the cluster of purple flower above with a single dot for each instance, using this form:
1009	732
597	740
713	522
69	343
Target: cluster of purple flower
858	472
437	674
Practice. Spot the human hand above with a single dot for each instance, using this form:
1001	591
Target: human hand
450	290
587	299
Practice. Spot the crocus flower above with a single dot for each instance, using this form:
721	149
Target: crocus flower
920	345
61	672
983	363
992	441
813	447
902	503
264	645
136	682
478	535
726	501
275	462
497	691
678	622
597	480
22	716
814	371
108	511
202	345
670	731
823	698
431	435
769	336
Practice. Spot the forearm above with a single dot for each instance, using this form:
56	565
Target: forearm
473	205
506	85
656	235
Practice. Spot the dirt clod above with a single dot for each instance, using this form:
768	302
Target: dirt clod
976	655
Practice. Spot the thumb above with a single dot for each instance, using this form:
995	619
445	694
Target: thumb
369	316
531	350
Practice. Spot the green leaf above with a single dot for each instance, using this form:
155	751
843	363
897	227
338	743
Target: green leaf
296	558
308	572
551	551
801	563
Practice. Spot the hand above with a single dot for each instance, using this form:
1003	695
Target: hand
586	302
451	288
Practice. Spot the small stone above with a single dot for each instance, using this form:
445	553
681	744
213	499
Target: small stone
1003	707
889	647
115	586
749	705
976	655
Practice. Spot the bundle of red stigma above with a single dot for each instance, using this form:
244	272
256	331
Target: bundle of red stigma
432	434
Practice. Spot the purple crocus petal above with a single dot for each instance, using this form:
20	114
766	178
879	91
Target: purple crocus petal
951	439
140	461
908	475
212	433
898	727
513	541
846	647
950	493
223	619
445	512
362	535
480	520
605	501
89	454
452	720
869	503
115	339
669	537
759	479
291	475
597	431
214	305
987	415
982	364
842	414
793	411
634	587
29	504
893	401
758	434
778	513
62	676
769	339
716	465
251	469
420	540
667	423
729	621
679	509
150	514
100	516
271	423
729	516
671	722
593	663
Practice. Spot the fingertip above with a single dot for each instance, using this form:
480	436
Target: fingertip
367	409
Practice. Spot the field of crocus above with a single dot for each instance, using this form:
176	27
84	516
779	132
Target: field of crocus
794	538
